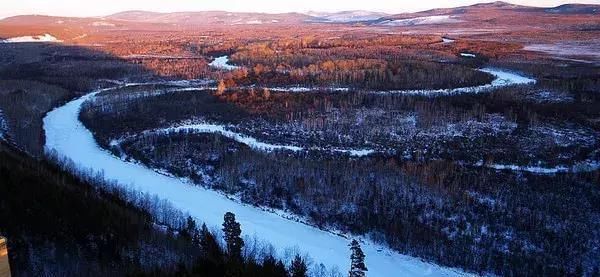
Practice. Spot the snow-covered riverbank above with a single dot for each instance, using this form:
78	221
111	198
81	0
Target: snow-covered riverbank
66	135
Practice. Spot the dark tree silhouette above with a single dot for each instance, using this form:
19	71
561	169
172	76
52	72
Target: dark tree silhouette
298	268
232	232
358	267
273	267
209	245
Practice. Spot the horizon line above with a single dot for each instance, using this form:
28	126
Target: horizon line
305	12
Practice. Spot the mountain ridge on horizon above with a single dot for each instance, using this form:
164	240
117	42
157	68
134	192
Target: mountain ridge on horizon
566	8
341	17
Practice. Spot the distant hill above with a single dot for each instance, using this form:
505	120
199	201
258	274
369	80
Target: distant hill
575	9
493	13
345	16
210	17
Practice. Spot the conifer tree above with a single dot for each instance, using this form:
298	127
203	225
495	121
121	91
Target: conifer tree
358	267
232	232
298	268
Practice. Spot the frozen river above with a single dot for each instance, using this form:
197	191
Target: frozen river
66	135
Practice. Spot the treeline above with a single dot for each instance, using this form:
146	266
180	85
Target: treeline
372	66
60	224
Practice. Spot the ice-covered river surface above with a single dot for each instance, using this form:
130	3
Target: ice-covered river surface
502	78
223	63
66	135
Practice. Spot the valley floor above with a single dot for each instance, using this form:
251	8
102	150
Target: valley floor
66	135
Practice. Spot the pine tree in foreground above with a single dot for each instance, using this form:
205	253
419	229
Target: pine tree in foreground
358	267
298	268
232	232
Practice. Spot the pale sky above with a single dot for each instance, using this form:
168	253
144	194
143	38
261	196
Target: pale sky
106	7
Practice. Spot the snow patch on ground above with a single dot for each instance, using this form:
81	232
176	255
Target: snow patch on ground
503	79
493	124
468	55
67	137
40	38
548	96
568	49
223	63
424	20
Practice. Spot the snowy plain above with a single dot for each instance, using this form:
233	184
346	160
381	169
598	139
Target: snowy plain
67	137
40	38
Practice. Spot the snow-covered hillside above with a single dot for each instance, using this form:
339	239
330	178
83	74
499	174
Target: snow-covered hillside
346	16
425	20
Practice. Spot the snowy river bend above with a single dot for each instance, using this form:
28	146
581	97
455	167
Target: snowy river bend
66	135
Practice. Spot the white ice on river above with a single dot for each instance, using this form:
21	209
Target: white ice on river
446	40
502	79
223	63
250	141
67	136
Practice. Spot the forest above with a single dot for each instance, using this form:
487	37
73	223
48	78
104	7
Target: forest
58	223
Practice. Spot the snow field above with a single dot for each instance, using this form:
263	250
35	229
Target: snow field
41	38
